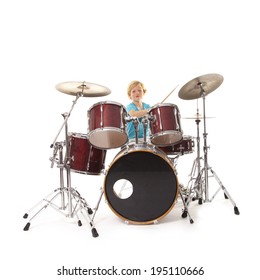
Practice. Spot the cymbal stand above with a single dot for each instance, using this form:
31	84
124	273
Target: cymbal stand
66	116
71	200
207	168
195	191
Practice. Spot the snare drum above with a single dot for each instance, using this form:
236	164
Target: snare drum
107	125
141	185
183	147
84	158
165	125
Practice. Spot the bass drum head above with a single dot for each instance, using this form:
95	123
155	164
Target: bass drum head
149	181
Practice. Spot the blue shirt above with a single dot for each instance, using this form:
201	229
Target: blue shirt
130	125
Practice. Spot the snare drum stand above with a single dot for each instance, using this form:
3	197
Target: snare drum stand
71	201
207	168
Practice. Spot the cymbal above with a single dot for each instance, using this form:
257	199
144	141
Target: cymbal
197	118
83	89
192	89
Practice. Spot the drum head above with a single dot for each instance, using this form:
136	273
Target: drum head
151	185
166	138
108	138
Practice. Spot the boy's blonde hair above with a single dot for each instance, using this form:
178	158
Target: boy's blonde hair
134	84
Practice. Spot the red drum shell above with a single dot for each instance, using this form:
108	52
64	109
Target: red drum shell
181	148
84	158
165	125
107	125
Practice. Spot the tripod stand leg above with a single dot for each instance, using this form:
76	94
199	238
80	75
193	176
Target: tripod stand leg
185	211
86	211
82	206
77	204
93	229
77	195
97	206
198	187
195	184
226	193
90	221
25	216
190	183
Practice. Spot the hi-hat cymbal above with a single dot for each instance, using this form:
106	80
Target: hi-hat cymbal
207	83
197	117
83	89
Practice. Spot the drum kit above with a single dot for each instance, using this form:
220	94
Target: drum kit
141	184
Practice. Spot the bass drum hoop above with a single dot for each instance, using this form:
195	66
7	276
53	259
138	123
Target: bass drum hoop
136	148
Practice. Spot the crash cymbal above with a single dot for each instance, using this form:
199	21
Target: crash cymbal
192	89
83	89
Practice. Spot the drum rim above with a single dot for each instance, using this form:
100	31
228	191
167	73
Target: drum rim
86	172
145	222
106	102
163	105
178	153
166	132
152	147
159	153
78	135
188	137
114	129
107	128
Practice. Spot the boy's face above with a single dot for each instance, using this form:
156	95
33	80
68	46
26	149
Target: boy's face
137	93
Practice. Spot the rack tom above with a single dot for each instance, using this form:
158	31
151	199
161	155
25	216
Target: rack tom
107	125
165	125
84	158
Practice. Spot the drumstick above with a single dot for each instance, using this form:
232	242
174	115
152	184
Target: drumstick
169	94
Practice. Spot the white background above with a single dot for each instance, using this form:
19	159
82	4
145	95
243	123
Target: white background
111	42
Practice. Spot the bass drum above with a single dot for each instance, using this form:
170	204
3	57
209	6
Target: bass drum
141	185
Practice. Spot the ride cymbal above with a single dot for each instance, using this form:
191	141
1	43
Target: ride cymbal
83	89
207	83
